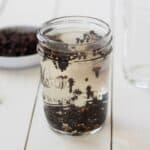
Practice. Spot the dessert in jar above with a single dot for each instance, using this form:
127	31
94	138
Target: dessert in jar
75	73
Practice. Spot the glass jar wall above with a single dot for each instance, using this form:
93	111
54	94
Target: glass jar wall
75	73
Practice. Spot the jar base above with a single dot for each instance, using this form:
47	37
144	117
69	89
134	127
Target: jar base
139	75
77	133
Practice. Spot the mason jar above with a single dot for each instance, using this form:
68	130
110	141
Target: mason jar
75	73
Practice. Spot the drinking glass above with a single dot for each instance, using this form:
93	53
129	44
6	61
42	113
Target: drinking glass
136	61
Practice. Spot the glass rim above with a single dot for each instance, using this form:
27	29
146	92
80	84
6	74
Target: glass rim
42	37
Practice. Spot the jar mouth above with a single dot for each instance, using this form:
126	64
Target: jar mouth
48	27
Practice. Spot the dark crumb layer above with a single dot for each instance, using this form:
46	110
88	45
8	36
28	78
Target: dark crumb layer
77	120
17	41
61	60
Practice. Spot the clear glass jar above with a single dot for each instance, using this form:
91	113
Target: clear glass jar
75	73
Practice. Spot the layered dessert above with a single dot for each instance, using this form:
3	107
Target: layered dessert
75	78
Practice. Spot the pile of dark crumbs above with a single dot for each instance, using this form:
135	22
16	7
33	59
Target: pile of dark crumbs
17	41
78	120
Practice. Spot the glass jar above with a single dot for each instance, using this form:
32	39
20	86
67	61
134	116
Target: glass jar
75	73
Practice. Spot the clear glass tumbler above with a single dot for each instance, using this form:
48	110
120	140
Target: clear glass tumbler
75	73
136	61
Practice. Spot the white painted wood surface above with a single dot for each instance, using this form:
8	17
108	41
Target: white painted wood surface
131	112
17	95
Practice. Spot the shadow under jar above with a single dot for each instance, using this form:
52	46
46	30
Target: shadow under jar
75	73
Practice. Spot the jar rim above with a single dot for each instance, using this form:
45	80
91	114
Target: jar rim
42	37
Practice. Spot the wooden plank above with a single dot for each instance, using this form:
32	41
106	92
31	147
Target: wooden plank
131	104
17	94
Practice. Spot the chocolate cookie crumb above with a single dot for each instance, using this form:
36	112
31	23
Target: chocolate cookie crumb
77	91
17	41
97	71
71	83
86	79
78	119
